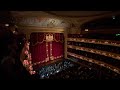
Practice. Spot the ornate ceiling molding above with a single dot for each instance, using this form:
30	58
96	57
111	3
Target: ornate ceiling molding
41	22
28	30
80	16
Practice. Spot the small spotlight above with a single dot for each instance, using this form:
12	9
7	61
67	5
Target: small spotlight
6	25
113	17
57	71
86	30
14	31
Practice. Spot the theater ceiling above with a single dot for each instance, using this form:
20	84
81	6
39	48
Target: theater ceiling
58	18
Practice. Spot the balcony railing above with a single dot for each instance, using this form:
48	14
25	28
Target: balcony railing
111	67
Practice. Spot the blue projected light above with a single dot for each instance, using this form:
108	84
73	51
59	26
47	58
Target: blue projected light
117	34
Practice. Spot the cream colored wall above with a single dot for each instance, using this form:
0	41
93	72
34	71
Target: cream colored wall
28	30
65	44
73	31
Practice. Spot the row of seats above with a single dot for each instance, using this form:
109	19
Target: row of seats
95	36
98	57
107	48
91	70
85	71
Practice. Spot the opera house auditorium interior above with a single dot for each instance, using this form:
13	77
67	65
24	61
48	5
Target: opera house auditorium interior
73	45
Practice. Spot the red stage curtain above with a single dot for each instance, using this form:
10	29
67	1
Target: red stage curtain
39	47
58	45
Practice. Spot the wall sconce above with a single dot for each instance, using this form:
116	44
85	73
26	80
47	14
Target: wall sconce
113	17
6	25
86	30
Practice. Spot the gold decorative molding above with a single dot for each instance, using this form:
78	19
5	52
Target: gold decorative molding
96	41
65	44
101	63
41	29
31	29
100	52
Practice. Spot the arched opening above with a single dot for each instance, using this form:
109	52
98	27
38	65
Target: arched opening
46	47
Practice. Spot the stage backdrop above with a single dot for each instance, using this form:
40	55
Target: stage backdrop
46	46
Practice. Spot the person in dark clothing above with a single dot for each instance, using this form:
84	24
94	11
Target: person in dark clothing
11	68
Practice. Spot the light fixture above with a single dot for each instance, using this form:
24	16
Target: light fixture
14	31
113	17
86	30
118	34
6	25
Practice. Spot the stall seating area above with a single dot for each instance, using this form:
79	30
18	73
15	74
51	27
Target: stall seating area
76	70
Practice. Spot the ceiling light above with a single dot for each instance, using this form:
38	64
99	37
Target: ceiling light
6	25
14	31
113	17
86	30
